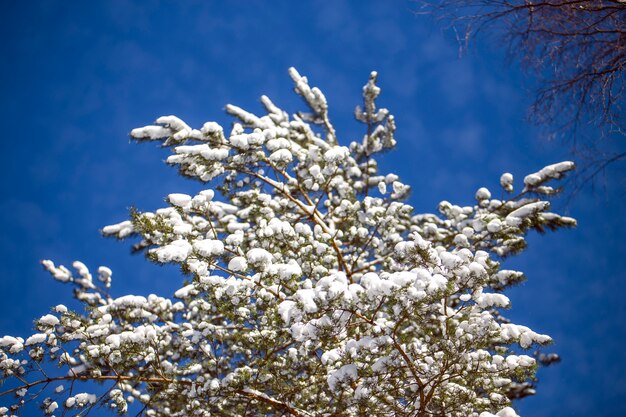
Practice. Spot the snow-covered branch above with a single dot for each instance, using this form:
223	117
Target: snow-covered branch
312	287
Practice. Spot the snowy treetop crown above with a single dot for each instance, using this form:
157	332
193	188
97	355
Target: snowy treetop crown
313	287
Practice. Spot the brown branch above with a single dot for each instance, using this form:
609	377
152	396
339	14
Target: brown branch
316	217
159	381
278	405
117	378
576	48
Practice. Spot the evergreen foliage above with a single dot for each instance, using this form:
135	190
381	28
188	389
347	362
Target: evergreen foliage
312	287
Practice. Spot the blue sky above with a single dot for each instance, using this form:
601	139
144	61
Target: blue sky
78	76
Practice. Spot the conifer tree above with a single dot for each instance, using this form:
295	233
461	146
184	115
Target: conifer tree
312	288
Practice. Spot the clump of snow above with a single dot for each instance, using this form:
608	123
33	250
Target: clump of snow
483	194
240	141
238	264
382	187
60	274
486	300
281	157
506	181
346	373
554	171
516	217
209	247
15	344
505	412
529	209
48	320
104	274
80	400
285	271
36	339
399	190
179	200
306	297
151	132
286	310
177	251
51	408
185	291
121	230
336	154
259	257
207	194
494	226
211	128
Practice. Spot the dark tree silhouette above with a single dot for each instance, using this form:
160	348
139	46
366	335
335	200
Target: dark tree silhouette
577	48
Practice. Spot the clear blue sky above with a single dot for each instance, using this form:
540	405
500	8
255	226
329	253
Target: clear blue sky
78	76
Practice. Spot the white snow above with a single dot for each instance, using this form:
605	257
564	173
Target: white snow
239	141
61	273
214	154
238	264
151	132
505	412
336	154
285	271
530	209
259	256
122	229
51	408
345	373
15	344
483	194
35	339
506	181
104	273
486	300
207	194
185	291
80	400
494	226
554	171
177	251
209	247
281	157
211	128
286	310
179	200
307	298
48	320
173	123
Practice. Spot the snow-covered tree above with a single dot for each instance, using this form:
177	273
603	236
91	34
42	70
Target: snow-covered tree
312	287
